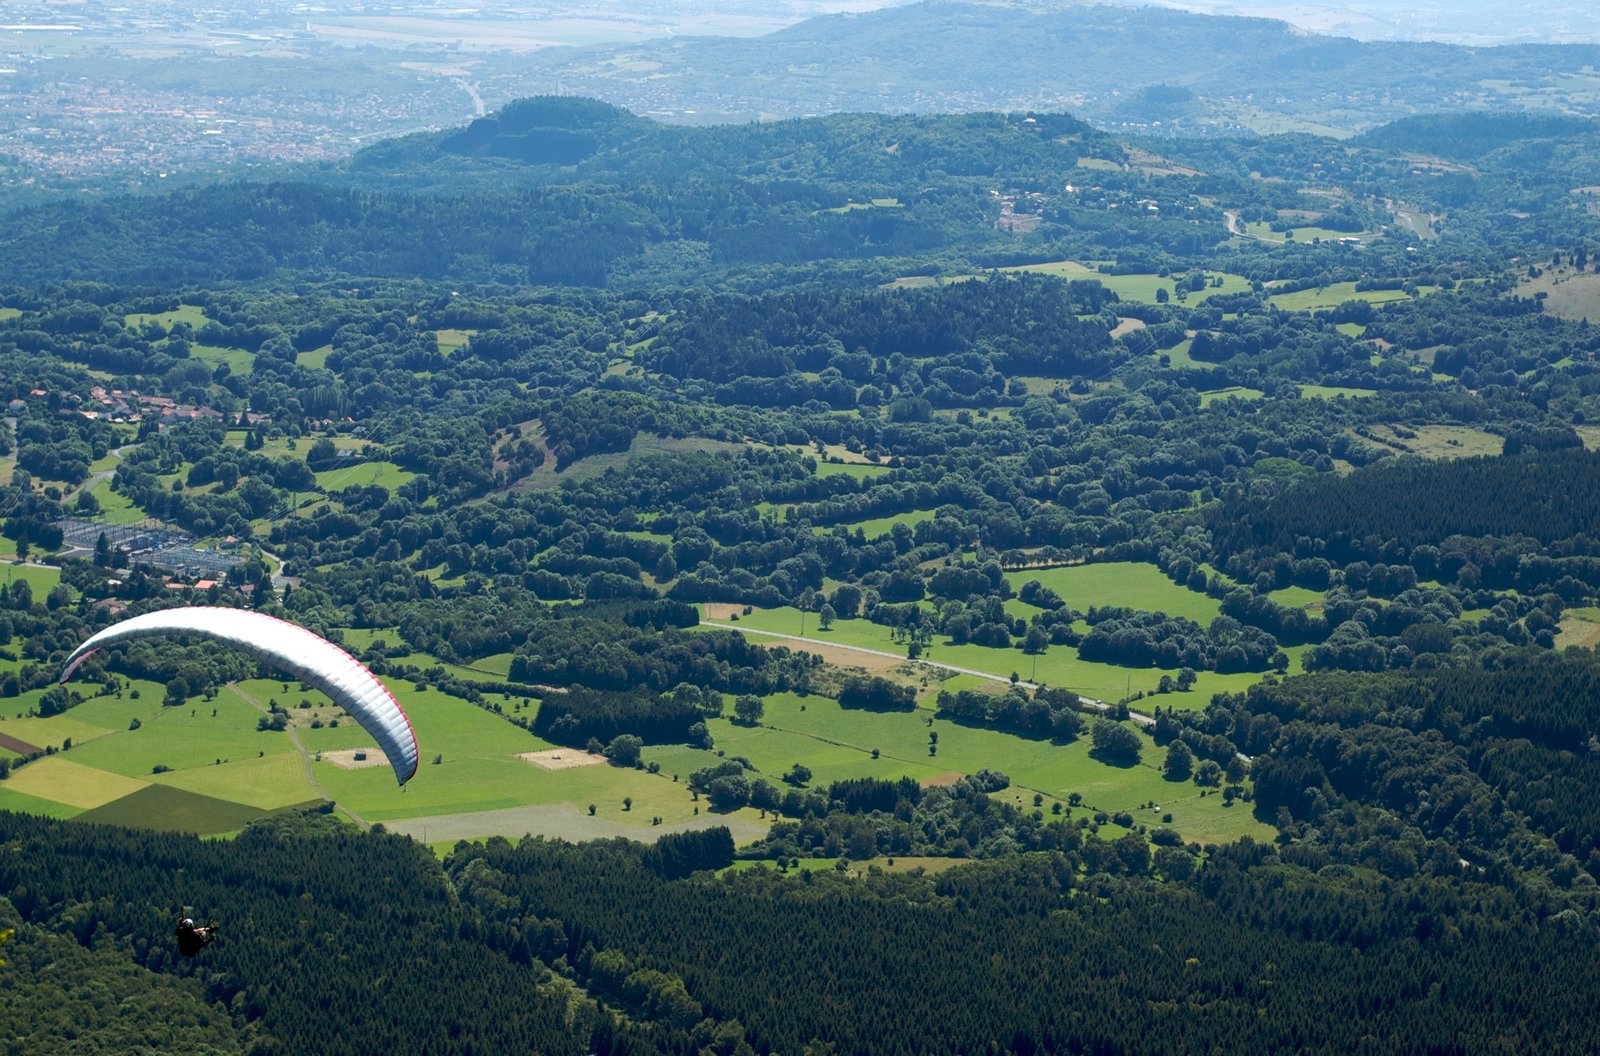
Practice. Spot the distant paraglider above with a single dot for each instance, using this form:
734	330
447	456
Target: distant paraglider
290	648
192	937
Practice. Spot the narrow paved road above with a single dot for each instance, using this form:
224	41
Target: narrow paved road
1098	705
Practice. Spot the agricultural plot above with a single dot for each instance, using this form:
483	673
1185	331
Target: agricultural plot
1264	232
853	470
1439	441
877	526
1335	294
217	769
173	810
1130	584
41	579
315	359
1143	288
1232	392
237	360
451	340
115	508
191	314
1579	627
838	744
381	473
1334	392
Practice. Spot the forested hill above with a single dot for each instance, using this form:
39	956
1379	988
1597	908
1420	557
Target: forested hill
1471	136
568	191
1098	60
344	942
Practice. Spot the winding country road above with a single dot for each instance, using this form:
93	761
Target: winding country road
1099	705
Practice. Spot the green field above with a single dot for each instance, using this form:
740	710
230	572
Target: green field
41	579
218	770
115	507
238	361
1232	392
451	340
316	359
192	314
1334	392
854	470
1335	294
385	474
1139	287
880	525
1130	584
838	744
1263	232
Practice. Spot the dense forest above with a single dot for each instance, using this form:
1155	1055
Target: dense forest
512	409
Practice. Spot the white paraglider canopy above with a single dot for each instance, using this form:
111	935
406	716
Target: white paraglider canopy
290	648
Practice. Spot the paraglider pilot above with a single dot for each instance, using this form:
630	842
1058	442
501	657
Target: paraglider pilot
192	938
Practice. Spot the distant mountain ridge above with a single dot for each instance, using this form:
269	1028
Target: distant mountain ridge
1089	59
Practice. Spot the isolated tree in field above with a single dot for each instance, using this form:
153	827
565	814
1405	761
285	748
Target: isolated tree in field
1180	762
826	616
624	749
748	709
798	774
1115	743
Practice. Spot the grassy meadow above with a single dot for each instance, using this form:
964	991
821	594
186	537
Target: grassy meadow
205	766
1335	294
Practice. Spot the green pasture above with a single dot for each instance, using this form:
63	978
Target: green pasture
192	735
1263	231
1143	287
1298	597
853	470
876	203
452	339
877	526
1335	294
270	782
383	473
173	810
41	579
1334	392
478	768
192	314
1130	584
22	803
315	359
837	744
237	360
115	507
498	665
359	639
1351	329
1232	392
1058	665
9	313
